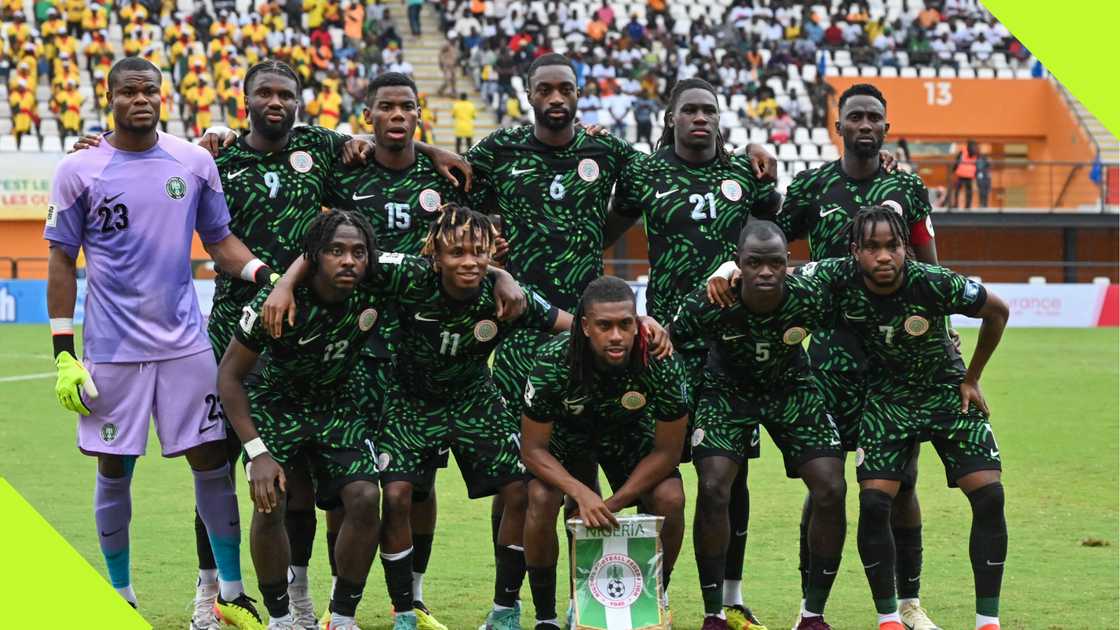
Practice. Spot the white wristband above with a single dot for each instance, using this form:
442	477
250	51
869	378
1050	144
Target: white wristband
725	270
62	325
249	271
255	447
219	130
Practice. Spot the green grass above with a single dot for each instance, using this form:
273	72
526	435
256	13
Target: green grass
1054	398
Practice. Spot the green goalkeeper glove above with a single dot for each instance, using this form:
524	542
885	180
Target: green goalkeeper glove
72	375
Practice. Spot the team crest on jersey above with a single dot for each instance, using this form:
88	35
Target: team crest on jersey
301	161
916	325
731	189
860	456
530	391
697	437
633	401
794	336
176	188
588	170
383	461
485	330
108	432
430	200
248	318
367	319
893	205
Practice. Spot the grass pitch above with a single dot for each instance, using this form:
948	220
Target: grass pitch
1055	410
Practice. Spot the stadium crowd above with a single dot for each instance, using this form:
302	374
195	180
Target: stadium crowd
766	58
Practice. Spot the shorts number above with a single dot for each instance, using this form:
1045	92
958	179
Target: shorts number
698	200
272	180
215	412
888	333
762	351
119	212
398	216
335	351
449	344
556	190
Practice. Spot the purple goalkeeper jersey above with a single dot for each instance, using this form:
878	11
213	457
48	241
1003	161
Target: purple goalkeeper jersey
134	213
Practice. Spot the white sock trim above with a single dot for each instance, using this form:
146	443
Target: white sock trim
983	620
733	593
393	557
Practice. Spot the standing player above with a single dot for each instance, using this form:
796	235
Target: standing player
918	389
598	393
131	204
757	373
694	199
818	206
306	407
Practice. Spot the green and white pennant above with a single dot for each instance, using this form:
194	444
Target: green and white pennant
616	574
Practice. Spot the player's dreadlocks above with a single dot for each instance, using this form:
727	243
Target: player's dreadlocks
451	217
580	362
870	216
272	66
667	138
319	234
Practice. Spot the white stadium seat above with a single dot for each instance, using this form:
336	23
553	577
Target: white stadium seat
868	71
926	72
787	152
985	73
7	143
739	137
946	72
758	135
888	72
1023	73
1005	73
966	73
52	144
849	71
820	136
801	135
809	151
829	152
908	72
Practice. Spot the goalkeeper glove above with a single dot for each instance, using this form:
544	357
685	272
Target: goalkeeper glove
72	375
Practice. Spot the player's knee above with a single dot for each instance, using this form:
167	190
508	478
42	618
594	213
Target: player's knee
268	523
874	508
515	497
829	493
398	497
362	499
668	498
714	494
987	503
544	500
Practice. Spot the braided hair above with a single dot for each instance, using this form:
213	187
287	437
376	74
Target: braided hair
668	139
581	363
322	228
870	216
451	218
272	66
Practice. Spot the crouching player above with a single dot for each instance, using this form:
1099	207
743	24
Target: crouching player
919	389
599	395
305	409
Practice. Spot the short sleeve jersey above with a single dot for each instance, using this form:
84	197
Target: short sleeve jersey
134	214
445	343
905	334
274	196
756	350
613	404
399	204
553	202
820	202
320	350
692	213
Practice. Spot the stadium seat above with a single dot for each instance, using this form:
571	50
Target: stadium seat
642	146
842	58
5	126
30	145
1005	73
1102	280
816	164
868	71
1023	73
927	72
831	71
999	60
966	73
810	151
849	71
946	72
801	135
783	183
758	135
829	152
888	72
7	143
985	73
797	167
809	73
721	100
52	144
787	152
1036	280
739	137
908	72
821	136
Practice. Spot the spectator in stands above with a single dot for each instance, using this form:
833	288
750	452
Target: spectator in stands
983	178
402	66
66	103
782	127
929	16
414	7
202	21
981	50
902	156
201	98
645	108
448	67
589	104
964	170
619	104
920	50
24	107
327	105
233	105
944	48
463	113
834	34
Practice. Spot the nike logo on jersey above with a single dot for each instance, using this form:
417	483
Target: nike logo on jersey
825	213
110	199
234	175
421	318
519	171
662	194
357	197
308	340
727	337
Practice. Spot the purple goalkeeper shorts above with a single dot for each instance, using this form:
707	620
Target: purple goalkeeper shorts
180	394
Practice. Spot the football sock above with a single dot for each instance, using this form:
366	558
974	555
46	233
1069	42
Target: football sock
332	539
803	545
421	553
908	567
495	525
398	578
542	583
417	587
889	617
987	546
346	596
202	548
822	573
301	535
297	576
876	548
984	620
112	513
217	505
275	598
711	582
207	576
509	574
733	593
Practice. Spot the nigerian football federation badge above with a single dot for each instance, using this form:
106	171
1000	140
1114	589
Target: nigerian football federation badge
367	319
916	325
731	189
176	188
794	336
633	401
429	200
485	330
588	170
301	161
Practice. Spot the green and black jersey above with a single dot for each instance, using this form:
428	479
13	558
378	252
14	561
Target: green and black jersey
905	334
553	202
614	405
692	214
444	343
399	204
756	350
273	197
